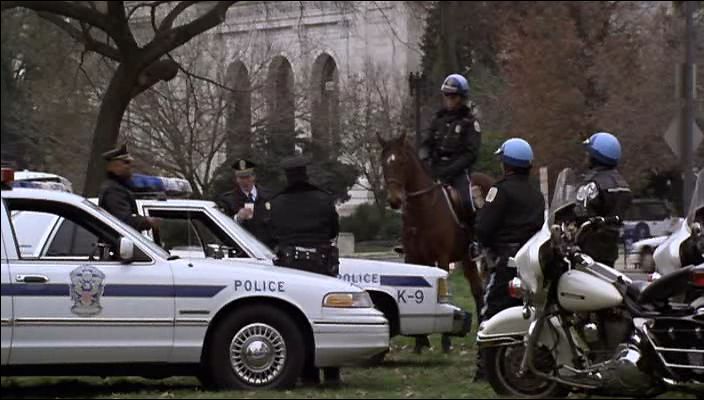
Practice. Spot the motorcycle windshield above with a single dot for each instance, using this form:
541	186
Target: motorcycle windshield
563	198
696	206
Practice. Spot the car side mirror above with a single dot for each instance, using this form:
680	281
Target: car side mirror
126	250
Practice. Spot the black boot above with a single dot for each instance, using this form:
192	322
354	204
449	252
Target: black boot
421	341
332	376
479	374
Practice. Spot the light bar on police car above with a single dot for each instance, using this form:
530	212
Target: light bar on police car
348	300
56	186
160	184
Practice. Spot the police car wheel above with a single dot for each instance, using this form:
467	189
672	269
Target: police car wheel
257	348
502	366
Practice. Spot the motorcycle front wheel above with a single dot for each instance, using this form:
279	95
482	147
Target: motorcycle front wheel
502	370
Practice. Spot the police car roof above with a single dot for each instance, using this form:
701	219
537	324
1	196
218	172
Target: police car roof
42	194
178	202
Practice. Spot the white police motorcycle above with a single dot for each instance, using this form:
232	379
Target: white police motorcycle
585	327
686	245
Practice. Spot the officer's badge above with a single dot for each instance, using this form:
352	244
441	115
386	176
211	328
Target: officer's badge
587	192
491	195
87	286
267	205
477	127
243	164
458	129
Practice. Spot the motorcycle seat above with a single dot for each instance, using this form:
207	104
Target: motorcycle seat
664	288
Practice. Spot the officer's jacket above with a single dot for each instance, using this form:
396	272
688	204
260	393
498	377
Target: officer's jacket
303	214
603	193
451	143
513	212
117	199
260	225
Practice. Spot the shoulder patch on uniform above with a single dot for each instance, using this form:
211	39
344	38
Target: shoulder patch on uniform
477	127
492	194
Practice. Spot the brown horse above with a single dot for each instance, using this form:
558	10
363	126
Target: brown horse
432	233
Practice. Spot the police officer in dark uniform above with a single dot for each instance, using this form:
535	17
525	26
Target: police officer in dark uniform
115	193
513	212
304	223
249	202
450	147
603	193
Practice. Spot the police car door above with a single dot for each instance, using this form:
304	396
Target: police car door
76	302
6	298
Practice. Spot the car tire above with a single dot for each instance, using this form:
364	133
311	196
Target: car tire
260	347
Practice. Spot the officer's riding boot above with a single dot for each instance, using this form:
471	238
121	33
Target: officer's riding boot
421	341
332	376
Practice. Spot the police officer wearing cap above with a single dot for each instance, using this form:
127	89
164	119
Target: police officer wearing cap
602	193
115	194
450	146
513	212
248	203
304	223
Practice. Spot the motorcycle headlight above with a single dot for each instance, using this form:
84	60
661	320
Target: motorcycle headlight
348	300
443	290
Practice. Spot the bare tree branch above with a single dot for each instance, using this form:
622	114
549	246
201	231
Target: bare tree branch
168	40
82	36
123	34
68	9
168	22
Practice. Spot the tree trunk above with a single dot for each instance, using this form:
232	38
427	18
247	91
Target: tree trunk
107	128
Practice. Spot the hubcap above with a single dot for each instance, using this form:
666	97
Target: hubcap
258	354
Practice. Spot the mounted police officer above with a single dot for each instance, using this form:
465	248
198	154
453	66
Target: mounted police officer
450	146
115	194
602	193
249	202
304	223
513	212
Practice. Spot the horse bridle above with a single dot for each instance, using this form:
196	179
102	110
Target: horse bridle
417	193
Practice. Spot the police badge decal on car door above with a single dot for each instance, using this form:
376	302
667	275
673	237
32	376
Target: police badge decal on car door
87	286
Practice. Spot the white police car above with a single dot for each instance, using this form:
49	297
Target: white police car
415	299
119	304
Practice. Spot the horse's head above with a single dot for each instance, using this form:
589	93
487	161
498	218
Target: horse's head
396	156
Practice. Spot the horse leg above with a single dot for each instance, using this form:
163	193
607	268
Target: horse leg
445	340
476	283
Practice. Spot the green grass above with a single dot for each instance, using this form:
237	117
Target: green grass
403	375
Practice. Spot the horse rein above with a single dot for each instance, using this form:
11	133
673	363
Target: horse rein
417	193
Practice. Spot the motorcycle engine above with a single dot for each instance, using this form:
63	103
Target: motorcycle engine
603	332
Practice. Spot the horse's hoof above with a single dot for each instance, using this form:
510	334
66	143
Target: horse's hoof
446	345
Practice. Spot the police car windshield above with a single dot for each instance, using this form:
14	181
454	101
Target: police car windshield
259	250
697	198
565	192
137	237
